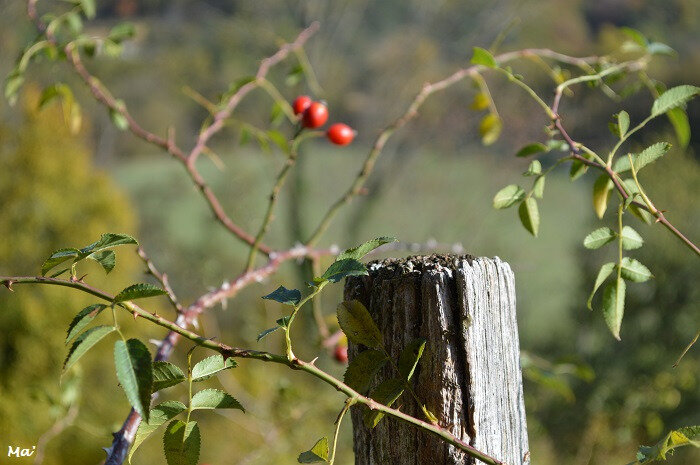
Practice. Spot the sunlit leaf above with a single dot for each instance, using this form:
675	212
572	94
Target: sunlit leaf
614	305
633	270
214	399
135	373
211	366
160	414
138	291
673	98
631	238
85	342
599	238
343	268
508	196
181	443
603	274
360	251
357	324
165	375
483	57
386	393
529	215
409	358
490	128
686	436
601	193
318	453
82	319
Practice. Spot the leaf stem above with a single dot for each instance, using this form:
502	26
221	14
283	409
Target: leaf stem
348	403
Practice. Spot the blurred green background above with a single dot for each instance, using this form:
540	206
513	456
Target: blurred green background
589	398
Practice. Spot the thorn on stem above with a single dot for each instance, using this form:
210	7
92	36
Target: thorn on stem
8	285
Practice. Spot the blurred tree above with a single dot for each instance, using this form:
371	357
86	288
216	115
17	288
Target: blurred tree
52	197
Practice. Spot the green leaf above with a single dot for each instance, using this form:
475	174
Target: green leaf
643	215
122	32
386	393
363	369
483	57
601	193
165	375
614	305
635	35
181	443
13	83
281	323
138	291
135	373
88	7
681	125
276	114
673	98
118	119
53	91
106	258
318	453
685	436
508	196
577	170
360	251
599	238
650	154
633	270
82	319
343	268
530	215
532	149
107	241
208	399
603	274
211	366
623	123
534	169
285	296
631	238
279	140
84	342
58	257
490	128
408	360
159	415
357	324
294	76
538	187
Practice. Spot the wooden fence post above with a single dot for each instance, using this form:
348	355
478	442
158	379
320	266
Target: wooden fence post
469	375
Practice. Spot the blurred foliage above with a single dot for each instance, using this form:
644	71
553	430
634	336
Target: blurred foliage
434	181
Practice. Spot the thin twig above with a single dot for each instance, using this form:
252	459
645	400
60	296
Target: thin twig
162	278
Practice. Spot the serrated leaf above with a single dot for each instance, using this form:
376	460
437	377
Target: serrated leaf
538	187
490	128
685	436
159	415
165	375
599	238
281	323
84	342
532	149
107	241
534	169
601	193
633	270
343	268
82	319
673	98
483	57
386	393
363	368
650	154
508	196
207	399
58	257
623	123
285	296
210	366
181	443
614	306
603	274
360	251
106	258
357	324
135	373
681	125
138	291
408	360
529	215
631	238
318	453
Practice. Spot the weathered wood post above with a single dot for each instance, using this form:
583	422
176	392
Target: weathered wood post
469	375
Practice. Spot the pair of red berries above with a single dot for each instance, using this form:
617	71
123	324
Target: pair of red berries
315	114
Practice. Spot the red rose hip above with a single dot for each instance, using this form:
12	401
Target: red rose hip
315	115
300	104
340	134
341	354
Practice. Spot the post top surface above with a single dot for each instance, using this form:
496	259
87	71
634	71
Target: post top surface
417	264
